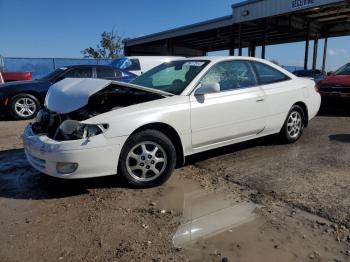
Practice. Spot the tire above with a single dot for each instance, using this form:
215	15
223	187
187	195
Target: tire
24	106
294	125
143	155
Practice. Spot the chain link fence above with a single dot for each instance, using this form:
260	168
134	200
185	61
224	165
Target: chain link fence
40	67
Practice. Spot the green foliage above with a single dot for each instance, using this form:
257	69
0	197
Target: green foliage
111	46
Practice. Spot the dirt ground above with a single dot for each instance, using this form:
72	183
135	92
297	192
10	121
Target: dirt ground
301	192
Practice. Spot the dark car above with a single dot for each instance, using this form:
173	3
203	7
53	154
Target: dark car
23	99
315	75
336	84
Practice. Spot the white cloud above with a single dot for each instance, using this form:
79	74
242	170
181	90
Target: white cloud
331	52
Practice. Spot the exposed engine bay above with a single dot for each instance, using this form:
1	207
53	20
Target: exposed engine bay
62	127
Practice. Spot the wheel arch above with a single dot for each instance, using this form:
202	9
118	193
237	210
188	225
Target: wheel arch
171	133
29	92
305	109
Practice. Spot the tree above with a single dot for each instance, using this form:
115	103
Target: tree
111	46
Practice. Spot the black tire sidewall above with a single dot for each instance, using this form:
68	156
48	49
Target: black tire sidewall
13	102
153	136
284	132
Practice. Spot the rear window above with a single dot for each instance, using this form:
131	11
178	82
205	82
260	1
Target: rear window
105	72
268	74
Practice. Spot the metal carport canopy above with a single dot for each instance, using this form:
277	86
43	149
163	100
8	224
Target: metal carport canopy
252	23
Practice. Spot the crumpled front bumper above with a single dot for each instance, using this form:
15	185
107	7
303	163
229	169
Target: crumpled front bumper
96	156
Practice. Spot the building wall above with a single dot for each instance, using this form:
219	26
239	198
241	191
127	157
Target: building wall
265	8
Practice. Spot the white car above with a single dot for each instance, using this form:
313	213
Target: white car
142	130
141	64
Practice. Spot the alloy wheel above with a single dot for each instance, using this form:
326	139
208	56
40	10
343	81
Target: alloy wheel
294	124
25	107
146	161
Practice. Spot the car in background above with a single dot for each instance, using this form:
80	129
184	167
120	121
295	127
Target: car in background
23	99
315	75
336	84
143	129
140	64
17	76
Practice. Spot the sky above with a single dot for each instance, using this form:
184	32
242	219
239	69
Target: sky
62	28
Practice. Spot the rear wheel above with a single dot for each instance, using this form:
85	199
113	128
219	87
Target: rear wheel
148	158
24	106
294	125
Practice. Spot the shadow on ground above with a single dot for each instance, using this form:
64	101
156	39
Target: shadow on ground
336	108
344	138
18	180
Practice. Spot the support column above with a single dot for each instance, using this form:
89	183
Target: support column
314	60
170	47
252	49
263	46
232	44
324	54
307	44
240	39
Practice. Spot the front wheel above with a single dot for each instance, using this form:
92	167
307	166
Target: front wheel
294	125
148	158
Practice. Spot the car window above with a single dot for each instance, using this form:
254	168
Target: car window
268	74
231	75
79	73
133	65
105	72
344	70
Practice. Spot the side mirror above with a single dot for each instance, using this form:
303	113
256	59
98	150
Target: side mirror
207	88
330	73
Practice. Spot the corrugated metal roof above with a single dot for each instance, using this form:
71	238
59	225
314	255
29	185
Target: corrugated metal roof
193	28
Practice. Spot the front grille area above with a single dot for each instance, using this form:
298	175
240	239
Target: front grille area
36	162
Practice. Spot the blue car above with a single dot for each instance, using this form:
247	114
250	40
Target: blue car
23	99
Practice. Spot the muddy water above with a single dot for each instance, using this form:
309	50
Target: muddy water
217	226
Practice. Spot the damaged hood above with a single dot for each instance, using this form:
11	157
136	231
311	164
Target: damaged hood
71	94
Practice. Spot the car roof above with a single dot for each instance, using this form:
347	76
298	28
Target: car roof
100	66
224	58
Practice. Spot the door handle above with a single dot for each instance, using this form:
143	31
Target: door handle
260	99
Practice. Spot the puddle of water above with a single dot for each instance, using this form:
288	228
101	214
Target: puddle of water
204	214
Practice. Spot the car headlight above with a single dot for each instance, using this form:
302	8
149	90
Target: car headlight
73	130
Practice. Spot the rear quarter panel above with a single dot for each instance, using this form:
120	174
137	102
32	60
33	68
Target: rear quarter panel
280	98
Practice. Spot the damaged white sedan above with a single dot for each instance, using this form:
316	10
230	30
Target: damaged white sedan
142	130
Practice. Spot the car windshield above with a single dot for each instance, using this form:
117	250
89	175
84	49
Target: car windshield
344	70
53	74
172	77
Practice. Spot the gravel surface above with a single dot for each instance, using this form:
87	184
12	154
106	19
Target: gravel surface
303	190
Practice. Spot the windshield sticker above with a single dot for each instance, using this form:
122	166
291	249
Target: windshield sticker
193	63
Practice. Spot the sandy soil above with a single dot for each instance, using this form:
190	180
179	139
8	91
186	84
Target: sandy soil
302	191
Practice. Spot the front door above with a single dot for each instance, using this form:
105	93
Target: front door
239	110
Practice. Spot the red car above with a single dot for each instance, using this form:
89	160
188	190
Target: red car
16	76
336	84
